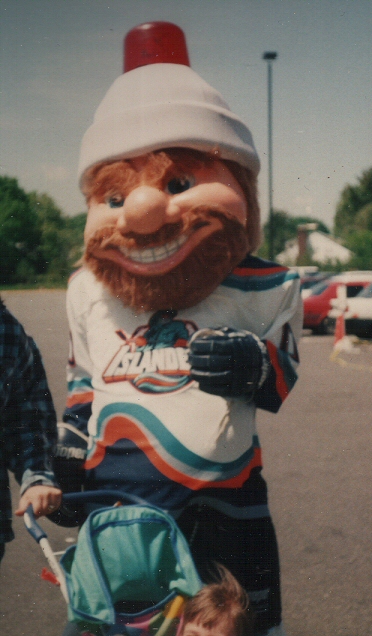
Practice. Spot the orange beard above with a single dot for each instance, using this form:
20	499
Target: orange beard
184	286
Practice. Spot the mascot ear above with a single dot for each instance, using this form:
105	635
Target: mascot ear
247	180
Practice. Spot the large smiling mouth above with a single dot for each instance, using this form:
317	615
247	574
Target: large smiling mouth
154	254
158	259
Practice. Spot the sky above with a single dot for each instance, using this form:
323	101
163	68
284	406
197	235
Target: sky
59	57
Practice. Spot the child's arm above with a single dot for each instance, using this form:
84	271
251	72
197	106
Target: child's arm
28	419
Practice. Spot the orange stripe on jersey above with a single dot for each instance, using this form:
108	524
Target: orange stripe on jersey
238	481
281	385
79	398
120	427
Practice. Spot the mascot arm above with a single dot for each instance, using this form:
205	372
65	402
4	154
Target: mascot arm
71	448
232	363
72	443
68	464
281	378
281	344
228	362
69	456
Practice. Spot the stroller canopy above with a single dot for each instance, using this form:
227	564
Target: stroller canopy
128	553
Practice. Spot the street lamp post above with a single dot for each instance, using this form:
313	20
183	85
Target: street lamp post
270	56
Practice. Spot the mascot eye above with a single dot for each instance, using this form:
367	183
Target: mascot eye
116	201
178	185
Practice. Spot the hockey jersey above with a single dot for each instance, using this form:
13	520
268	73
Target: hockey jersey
151	430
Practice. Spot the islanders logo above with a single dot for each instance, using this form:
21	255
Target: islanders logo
154	358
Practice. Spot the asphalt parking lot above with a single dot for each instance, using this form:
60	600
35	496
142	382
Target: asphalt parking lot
317	458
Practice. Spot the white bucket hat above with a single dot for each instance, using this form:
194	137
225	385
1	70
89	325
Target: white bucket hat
163	105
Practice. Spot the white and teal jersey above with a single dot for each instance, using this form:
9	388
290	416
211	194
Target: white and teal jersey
152	430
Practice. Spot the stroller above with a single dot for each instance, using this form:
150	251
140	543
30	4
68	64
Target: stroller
130	571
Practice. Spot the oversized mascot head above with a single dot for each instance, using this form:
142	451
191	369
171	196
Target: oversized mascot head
169	174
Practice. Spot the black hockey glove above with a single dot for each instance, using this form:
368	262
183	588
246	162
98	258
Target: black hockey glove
227	362
68	464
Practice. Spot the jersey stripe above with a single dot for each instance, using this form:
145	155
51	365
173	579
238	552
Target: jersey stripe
187	468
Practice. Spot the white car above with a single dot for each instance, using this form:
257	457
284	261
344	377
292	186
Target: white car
357	312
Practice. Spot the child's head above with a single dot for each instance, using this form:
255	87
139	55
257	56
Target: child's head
220	608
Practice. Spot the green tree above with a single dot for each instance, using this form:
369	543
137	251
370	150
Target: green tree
353	211
51	253
285	228
38	243
363	218
360	242
61	239
75	233
19	233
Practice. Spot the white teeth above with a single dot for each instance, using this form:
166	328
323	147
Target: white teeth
154	254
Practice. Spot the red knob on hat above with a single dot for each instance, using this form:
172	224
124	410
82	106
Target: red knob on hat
154	43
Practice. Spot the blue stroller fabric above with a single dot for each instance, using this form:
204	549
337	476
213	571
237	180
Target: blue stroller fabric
132	553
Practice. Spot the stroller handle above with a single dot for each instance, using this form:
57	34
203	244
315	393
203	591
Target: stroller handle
32	526
103	497
40	537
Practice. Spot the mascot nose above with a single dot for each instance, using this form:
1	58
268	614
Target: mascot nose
145	211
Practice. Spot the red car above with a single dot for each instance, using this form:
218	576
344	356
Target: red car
317	306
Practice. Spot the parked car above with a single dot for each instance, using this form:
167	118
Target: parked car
309	281
318	304
358	314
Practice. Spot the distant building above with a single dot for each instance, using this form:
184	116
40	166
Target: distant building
317	246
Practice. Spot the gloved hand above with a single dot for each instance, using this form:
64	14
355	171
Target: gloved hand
68	466
228	362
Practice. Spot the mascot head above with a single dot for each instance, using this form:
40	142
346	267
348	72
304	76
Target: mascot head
169	174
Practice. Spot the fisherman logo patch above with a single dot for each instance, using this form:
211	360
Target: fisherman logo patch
155	358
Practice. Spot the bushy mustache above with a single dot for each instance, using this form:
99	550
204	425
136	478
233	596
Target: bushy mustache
109	236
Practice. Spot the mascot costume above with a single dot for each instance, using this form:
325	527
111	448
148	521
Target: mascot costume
178	333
